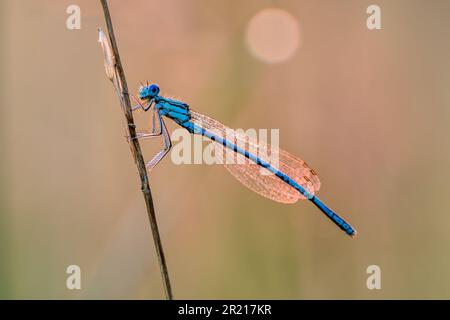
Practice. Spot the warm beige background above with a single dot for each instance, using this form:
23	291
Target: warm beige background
369	110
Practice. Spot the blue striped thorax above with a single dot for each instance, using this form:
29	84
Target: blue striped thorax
176	110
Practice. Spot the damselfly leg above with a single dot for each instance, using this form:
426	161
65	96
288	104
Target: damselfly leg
167	145
166	139
147	134
146	107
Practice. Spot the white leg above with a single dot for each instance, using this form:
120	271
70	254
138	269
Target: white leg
153	132
140	105
153	121
167	145
134	108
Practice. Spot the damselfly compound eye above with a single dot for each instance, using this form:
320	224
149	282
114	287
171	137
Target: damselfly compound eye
154	89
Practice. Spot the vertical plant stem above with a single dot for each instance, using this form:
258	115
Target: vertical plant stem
137	153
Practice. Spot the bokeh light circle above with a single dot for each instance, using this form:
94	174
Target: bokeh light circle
273	35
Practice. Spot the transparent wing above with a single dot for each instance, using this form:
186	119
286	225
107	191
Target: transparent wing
253	176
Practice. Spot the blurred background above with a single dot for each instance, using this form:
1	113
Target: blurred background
367	109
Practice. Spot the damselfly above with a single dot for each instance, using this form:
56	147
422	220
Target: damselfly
292	179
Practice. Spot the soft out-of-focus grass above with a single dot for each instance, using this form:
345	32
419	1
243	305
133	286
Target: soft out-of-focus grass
5	231
368	110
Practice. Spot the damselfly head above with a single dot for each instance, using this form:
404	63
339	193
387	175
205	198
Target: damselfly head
148	92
